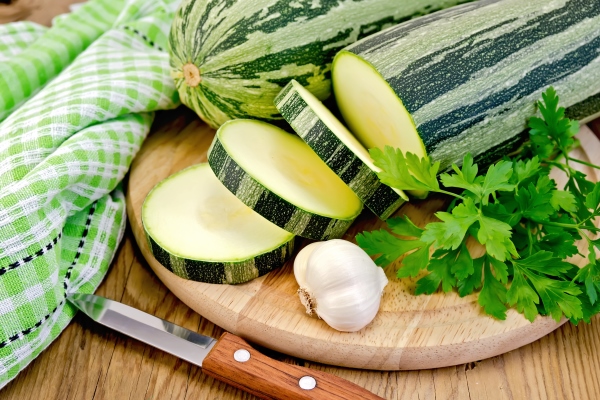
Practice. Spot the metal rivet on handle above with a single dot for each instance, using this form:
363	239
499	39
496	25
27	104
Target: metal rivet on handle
307	382
241	355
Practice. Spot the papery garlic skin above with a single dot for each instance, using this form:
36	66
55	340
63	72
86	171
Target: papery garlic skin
339	282
300	263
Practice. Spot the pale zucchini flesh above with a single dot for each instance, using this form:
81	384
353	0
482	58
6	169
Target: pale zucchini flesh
276	174
373	112
199	230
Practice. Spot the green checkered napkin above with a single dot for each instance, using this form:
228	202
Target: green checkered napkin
76	102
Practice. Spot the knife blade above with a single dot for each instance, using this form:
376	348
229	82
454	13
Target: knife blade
229	359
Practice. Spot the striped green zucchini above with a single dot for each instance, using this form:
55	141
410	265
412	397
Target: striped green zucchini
230	58
200	231
277	175
466	79
337	147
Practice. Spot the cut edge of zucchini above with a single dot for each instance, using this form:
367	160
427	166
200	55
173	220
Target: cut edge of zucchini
376	120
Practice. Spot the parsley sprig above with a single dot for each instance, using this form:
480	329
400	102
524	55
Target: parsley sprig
526	223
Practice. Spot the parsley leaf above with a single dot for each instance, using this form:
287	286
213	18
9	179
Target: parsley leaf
544	262
465	177
592	200
386	246
588	309
450	233
526	169
463	265
493	293
522	295
558	296
403	226
535	200
499	211
423	170
554	130
589	276
496	179
405	173
472	282
561	243
440	268
413	263
563	199
495	235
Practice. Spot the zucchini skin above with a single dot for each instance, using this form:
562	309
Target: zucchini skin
222	272
268	204
381	199
247	50
481	67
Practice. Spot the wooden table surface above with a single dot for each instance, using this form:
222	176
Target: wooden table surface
88	361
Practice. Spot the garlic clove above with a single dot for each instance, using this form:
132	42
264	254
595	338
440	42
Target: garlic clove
352	316
341	284
301	260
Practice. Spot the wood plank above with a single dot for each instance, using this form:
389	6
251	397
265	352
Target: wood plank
40	11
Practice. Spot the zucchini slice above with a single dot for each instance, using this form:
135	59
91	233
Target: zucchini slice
198	230
278	175
338	148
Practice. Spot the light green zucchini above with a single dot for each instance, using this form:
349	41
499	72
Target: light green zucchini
337	147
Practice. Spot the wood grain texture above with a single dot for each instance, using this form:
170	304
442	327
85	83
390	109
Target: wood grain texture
40	11
89	361
409	332
271	379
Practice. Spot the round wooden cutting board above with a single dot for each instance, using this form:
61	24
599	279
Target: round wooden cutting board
409	332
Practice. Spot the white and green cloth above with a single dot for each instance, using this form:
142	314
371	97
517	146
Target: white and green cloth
76	102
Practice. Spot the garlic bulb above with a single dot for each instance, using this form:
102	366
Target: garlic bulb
340	283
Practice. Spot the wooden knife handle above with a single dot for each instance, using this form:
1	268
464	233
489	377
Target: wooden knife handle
233	361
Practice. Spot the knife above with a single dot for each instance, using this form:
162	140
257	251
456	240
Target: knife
229	359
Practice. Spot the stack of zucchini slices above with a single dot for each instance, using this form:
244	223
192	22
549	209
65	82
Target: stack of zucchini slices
260	188
242	209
